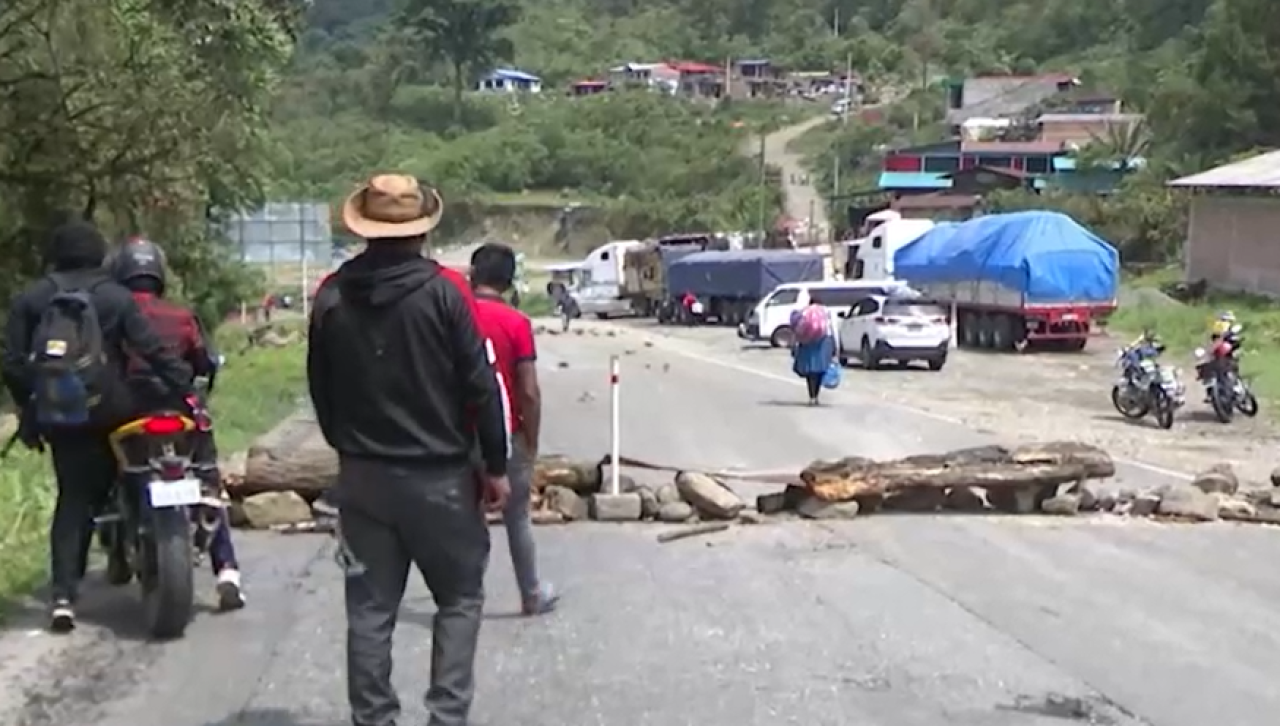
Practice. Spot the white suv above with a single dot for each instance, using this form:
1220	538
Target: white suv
879	328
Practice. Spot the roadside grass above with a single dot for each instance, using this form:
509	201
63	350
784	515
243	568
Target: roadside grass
257	388
1184	327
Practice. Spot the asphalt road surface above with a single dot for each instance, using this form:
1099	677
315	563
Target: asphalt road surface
886	621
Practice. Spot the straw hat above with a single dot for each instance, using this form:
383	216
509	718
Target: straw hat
392	206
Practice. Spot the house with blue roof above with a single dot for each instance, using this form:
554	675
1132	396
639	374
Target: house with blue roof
509	80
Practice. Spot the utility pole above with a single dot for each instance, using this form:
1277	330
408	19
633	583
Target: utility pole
844	120
761	194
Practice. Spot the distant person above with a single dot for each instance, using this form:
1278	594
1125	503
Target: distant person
404	391
815	348
493	268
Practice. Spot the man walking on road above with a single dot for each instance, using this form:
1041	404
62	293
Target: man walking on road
493	269
404	390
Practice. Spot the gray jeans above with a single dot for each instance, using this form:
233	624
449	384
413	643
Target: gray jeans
515	519
393	515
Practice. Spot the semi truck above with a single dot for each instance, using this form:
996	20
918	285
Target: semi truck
728	284
1016	279
644	268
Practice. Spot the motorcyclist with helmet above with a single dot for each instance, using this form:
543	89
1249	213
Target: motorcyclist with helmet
139	265
1226	336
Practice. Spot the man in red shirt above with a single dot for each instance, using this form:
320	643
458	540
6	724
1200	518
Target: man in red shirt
510	337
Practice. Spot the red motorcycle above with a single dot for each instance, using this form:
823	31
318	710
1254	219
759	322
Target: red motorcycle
1219	370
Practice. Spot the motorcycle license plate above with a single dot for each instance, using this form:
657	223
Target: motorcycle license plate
180	493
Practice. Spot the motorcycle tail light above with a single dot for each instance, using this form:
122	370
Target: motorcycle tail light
163	426
171	469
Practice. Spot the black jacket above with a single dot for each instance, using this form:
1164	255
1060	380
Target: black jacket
397	368
123	326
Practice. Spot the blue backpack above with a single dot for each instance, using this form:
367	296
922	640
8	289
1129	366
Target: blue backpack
69	366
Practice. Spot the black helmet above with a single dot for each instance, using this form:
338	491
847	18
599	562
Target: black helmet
137	258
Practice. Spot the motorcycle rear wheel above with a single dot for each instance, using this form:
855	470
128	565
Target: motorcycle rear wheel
1136	410
167	577
1223	406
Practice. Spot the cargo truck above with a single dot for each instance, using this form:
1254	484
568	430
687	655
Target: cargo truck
644	268
1016	279
728	284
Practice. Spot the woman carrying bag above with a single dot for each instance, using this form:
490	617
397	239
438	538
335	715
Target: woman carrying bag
814	354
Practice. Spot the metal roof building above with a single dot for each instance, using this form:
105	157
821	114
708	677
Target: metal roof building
1233	230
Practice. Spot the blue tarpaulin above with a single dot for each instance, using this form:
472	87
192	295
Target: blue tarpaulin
1046	256
744	274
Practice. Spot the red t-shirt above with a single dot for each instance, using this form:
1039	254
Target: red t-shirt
510	334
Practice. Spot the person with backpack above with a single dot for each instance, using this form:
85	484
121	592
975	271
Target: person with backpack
64	360
814	351
139	265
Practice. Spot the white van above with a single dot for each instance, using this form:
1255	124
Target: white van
771	319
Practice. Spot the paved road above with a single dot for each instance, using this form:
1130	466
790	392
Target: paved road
885	621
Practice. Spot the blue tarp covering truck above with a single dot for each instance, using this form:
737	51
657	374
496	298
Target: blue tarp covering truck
1016	278
729	283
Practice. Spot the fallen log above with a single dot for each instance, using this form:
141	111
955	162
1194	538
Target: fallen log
838	485
307	470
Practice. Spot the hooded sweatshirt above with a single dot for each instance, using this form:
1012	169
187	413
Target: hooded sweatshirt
397	368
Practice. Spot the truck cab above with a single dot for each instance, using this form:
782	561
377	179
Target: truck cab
600	291
871	257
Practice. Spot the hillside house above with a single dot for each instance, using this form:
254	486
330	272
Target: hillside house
658	76
1082	129
700	80
1001	97
588	87
1231	232
758	78
509	80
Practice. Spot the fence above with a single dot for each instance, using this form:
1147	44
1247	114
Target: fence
291	241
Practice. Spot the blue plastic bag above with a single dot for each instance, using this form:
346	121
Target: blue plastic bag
831	379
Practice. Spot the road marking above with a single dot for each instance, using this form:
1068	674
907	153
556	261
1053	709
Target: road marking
791	380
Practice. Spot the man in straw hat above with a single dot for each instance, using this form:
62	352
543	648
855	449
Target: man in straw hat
405	391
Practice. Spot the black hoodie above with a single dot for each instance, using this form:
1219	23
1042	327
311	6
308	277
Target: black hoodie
397	368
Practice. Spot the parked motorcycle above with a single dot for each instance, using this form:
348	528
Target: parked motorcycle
1219	370
1145	386
160	519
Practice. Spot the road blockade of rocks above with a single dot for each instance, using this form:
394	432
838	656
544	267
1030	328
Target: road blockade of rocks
279	483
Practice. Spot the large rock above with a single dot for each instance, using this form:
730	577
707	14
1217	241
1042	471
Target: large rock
1061	505
1275	477
1143	505
675	512
566	502
648	502
709	496
1188	502
815	508
668	493
1235	509
273	509
560	471
1217	479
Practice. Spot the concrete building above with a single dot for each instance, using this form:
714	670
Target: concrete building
1233	234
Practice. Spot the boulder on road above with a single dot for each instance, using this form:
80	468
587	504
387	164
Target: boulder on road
1061	505
668	493
271	509
1143	505
565	501
1235	508
648	502
675	512
815	508
1217	479
1188	502
711	498
1275	477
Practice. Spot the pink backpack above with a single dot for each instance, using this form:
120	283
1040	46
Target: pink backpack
811	323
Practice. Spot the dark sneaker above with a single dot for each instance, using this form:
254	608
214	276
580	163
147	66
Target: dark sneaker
62	618
541	604
230	596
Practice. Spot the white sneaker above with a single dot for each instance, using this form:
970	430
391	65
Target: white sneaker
230	596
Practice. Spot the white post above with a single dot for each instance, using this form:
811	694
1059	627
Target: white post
615	475
955	326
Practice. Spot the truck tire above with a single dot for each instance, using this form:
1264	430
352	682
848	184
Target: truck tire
968	333
1001	332
168	583
986	330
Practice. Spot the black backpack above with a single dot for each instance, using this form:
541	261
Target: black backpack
69	366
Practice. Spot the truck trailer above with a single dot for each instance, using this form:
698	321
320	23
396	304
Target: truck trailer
730	283
1016	279
644	268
